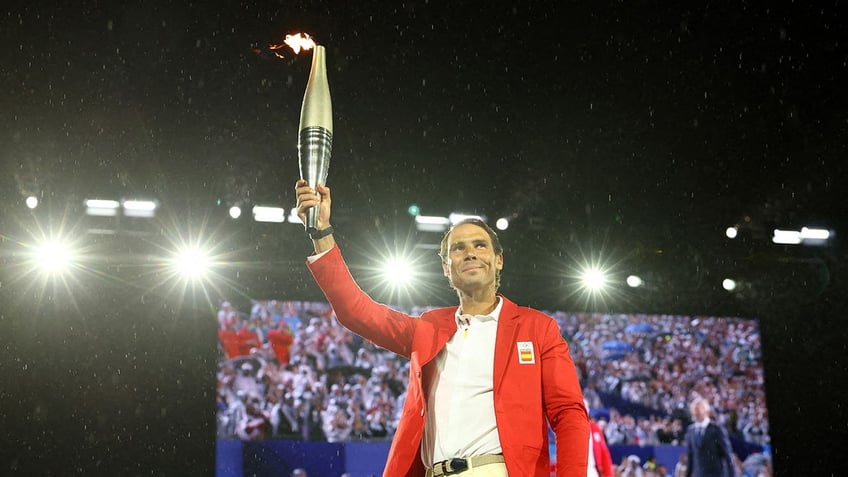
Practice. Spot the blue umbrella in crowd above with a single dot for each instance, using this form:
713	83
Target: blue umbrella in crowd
639	328
614	356
617	346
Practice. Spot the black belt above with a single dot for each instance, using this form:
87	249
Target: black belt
456	465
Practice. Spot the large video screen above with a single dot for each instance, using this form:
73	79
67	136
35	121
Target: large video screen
289	371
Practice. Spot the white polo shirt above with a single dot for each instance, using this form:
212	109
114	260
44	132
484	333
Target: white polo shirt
461	418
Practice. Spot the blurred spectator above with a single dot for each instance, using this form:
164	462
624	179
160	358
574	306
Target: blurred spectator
281	339
757	464
600	461
337	423
756	431
681	469
227	316
650	465
631	467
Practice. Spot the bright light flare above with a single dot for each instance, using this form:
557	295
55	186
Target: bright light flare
502	223
53	256
728	284
634	281
297	42
398	272
594	279
32	202
401	272
192	263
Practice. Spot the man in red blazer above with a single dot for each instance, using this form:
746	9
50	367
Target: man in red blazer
600	454
486	378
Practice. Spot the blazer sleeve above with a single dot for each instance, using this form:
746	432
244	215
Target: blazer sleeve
355	310
605	461
564	407
727	451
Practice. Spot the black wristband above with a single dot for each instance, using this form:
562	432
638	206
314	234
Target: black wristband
318	234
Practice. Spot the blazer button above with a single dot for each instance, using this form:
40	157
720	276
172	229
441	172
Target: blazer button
422	413
418	374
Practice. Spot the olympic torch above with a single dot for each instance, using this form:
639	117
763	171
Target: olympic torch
315	140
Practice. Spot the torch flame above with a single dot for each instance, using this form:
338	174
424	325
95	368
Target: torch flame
297	42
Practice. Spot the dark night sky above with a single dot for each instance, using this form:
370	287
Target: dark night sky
622	128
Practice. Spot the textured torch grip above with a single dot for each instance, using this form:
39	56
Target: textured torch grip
314	148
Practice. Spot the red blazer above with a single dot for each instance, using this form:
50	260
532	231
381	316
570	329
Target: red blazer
603	459
525	394
230	342
280	341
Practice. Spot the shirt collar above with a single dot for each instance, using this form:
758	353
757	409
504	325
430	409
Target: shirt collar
493	315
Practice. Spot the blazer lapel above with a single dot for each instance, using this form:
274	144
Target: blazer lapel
445	326
505	339
698	434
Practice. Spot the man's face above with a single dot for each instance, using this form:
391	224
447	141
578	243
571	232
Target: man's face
471	262
700	411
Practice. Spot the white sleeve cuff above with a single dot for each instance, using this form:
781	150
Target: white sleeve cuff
314	258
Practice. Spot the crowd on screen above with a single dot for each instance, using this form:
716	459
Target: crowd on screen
660	362
288	370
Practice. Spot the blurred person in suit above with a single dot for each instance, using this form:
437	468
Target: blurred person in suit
707	444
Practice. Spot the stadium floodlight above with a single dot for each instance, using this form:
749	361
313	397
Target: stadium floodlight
731	232
591	276
53	256
728	284
235	212
269	214
397	271
191	263
456	217
807	236
431	223
634	281
293	217
593	279
31	202
102	207
139	208
814	234
786	237
502	223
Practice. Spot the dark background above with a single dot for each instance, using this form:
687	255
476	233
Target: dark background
627	133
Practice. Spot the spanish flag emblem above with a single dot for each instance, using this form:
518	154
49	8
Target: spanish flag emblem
525	352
